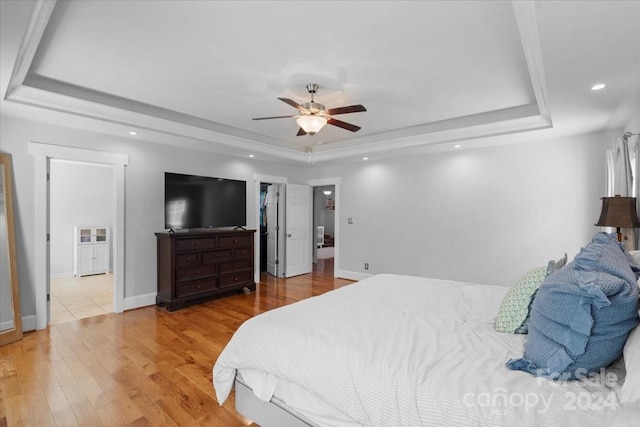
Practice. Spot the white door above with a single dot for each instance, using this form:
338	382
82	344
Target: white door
298	229
272	230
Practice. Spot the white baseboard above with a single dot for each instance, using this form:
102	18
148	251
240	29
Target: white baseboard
352	275
138	301
59	275
5	326
29	323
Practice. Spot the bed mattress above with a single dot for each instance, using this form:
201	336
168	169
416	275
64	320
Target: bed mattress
404	351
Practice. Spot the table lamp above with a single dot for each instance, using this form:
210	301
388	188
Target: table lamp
619	212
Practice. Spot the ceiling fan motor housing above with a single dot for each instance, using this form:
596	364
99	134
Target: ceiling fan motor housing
314	108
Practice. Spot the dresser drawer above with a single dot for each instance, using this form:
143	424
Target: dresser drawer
183	245
216	256
190	273
233	279
234	241
229	267
186	260
195	288
242	253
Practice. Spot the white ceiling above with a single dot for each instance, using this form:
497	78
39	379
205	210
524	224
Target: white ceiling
430	73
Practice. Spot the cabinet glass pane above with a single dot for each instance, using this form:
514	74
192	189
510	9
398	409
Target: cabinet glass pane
101	234
85	235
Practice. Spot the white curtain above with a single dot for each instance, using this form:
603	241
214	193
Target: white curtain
620	181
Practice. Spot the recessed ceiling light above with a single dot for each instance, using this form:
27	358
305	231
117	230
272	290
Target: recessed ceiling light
251	156
365	158
598	86
133	133
457	146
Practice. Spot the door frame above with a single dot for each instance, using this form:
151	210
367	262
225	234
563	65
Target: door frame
335	181
268	179
43	153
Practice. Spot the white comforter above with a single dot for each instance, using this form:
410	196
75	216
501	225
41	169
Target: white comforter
404	351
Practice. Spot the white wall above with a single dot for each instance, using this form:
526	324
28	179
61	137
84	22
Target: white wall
80	194
485	215
144	193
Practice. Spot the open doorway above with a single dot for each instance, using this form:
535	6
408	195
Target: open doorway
81	254
269	249
269	229
324	206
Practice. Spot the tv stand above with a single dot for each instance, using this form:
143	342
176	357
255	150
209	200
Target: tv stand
194	266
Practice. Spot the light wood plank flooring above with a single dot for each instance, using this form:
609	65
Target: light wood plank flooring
144	367
74	298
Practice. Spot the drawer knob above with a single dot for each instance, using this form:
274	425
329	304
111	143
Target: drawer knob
217	255
187	259
235	279
235	240
235	266
197	271
198	287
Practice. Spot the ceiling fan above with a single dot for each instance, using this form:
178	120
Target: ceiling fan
313	115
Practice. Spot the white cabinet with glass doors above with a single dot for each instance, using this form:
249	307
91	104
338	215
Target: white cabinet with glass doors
90	250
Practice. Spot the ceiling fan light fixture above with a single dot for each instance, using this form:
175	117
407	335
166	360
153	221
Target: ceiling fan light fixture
311	124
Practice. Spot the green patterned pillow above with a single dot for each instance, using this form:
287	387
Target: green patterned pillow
515	304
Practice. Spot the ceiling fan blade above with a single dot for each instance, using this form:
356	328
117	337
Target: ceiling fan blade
343	125
274	117
301	132
344	110
291	102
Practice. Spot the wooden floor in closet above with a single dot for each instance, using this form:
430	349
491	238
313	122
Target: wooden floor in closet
144	367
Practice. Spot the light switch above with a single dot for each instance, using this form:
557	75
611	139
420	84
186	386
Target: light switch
349	220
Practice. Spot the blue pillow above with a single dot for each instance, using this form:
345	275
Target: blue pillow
582	314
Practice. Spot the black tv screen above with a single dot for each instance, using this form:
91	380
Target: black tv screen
192	201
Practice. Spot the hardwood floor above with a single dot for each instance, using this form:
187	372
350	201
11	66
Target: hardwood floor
144	367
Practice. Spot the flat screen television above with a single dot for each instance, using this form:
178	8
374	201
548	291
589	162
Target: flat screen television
192	201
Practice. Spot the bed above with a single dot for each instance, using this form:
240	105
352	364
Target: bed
395	350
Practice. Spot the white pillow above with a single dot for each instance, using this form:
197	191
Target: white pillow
630	391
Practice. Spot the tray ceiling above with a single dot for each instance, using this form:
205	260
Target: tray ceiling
428	72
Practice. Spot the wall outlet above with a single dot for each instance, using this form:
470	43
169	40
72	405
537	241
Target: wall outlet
349	220
366	265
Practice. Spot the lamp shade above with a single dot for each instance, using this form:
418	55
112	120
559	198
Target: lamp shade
311	123
619	211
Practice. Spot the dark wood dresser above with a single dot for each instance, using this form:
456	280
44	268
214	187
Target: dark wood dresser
196	265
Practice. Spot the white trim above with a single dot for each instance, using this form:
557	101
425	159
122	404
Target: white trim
43	153
257	179
352	275
139	301
61	275
38	21
525	13
335	181
28	323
